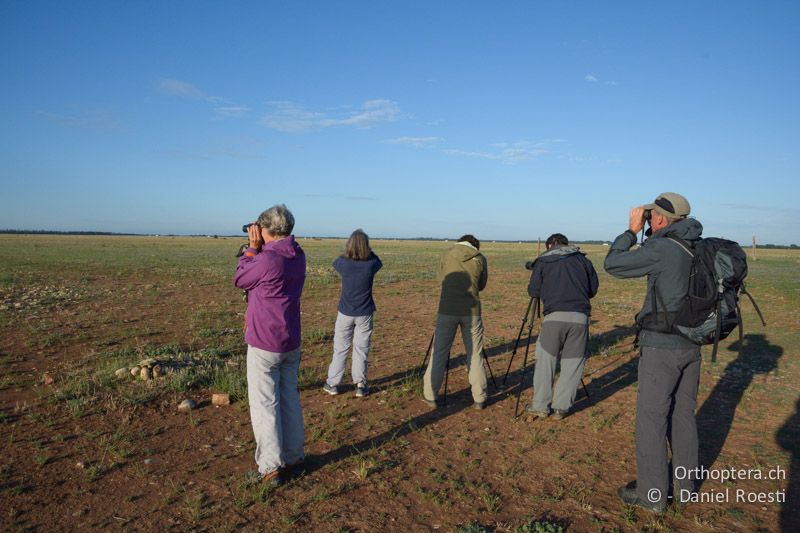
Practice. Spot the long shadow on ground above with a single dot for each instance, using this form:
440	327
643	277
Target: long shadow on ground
715	417
788	437
602	388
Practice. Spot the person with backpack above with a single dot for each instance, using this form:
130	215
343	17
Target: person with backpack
669	365
565	280
357	266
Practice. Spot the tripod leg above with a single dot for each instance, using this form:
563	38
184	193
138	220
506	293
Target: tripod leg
524	369
519	336
491	374
585	391
427	353
446	374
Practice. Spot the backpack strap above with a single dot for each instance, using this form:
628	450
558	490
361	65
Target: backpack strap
717	331
683	244
743	290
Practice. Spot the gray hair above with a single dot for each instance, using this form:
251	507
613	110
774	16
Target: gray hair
277	220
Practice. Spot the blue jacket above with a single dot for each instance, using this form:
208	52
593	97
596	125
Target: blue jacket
564	279
357	276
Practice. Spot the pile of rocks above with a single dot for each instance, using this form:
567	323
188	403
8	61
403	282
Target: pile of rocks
147	369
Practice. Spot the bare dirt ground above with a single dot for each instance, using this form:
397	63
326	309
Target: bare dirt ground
84	451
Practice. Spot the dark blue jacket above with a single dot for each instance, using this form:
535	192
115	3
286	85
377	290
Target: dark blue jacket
564	280
357	276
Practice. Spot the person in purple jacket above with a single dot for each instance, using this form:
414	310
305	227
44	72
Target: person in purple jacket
273	271
353	327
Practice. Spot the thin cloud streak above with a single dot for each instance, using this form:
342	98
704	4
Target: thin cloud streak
90	119
232	111
291	118
416	142
509	153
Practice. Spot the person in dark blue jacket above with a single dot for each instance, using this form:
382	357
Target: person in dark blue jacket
565	281
357	266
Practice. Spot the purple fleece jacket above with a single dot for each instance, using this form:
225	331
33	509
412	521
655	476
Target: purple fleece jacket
273	278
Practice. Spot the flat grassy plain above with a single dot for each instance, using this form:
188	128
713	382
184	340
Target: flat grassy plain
83	448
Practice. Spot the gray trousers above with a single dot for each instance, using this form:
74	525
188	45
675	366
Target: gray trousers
472	335
355	331
665	405
275	410
564	335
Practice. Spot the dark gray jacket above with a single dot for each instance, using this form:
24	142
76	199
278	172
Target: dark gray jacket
666	265
564	279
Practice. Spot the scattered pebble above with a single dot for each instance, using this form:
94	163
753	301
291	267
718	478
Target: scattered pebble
47	379
148	461
145	373
135	370
157	371
220	399
81	465
122	372
187	405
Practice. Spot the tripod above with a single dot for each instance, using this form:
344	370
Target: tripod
428	351
535	313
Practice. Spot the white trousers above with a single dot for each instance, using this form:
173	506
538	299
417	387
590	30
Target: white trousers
275	410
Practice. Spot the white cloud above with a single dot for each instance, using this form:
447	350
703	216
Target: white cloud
236	111
509	153
186	90
594	79
416	142
289	117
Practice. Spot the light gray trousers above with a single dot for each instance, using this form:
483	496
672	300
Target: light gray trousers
275	410
665	405
355	331
564	334
472	335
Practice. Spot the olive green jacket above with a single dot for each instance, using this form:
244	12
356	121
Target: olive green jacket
463	273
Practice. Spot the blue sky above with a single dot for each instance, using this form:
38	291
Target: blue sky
508	120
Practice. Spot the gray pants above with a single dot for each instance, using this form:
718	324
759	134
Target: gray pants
564	335
472	335
354	331
665	405
275	407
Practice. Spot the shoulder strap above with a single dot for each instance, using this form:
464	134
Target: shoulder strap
682	244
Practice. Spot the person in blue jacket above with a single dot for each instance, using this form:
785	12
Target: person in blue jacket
357	267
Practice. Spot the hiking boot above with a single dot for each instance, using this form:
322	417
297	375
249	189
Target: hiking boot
333	391
433	404
272	479
628	496
558	414
361	390
478	405
537	414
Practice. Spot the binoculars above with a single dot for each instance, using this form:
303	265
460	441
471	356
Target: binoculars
245	227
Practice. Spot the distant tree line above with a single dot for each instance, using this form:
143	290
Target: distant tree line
53	232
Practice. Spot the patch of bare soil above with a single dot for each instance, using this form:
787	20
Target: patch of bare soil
384	462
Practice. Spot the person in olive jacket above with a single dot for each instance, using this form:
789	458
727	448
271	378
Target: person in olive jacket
462	274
